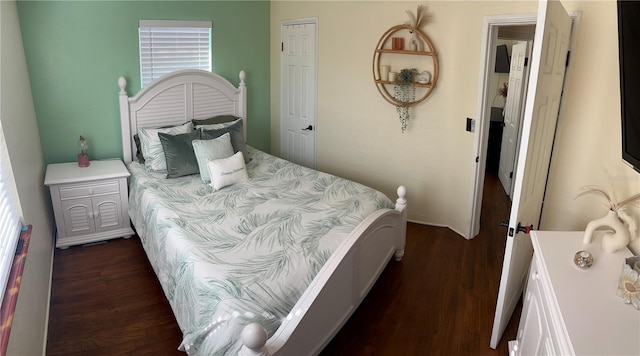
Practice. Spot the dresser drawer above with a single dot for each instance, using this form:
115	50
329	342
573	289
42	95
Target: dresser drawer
71	191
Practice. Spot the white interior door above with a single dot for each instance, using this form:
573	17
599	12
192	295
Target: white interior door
298	109
512	114
544	91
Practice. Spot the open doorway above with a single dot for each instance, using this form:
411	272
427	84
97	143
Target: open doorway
508	83
553	37
499	30
514	26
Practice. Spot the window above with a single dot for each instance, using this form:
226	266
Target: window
166	46
9	216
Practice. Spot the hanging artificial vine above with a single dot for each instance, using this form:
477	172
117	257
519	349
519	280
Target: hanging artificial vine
404	92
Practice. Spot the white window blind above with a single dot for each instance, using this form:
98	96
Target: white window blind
9	216
166	46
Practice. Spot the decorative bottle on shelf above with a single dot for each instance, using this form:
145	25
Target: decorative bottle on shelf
415	43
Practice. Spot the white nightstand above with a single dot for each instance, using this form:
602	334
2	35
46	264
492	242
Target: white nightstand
90	204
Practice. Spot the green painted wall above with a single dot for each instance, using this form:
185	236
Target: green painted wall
76	50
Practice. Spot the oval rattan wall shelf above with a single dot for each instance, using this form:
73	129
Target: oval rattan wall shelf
383	48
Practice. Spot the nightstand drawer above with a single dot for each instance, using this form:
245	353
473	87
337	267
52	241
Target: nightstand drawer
88	190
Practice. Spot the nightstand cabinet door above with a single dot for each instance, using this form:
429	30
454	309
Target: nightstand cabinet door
78	217
86	216
107	212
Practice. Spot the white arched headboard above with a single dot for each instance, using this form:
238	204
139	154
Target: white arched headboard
176	98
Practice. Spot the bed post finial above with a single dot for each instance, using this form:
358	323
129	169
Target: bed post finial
125	122
254	337
122	83
241	104
401	202
242	76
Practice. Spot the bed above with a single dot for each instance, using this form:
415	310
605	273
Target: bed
273	265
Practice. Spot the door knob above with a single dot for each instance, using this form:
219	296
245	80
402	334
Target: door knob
308	128
525	229
520	228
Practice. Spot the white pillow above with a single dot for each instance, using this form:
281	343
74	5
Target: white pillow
152	150
210	150
227	171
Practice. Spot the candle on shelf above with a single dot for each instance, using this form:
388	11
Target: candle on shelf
393	76
384	73
397	43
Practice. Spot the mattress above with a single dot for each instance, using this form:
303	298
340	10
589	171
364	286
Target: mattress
244	253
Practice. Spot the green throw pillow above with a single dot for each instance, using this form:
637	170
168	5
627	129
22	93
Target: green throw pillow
139	155
152	148
221	119
178	151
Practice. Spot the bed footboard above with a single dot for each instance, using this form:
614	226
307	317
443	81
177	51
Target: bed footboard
338	289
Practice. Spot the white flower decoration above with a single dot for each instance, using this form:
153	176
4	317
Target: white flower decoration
629	286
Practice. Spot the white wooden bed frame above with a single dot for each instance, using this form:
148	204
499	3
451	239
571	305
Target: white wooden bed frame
348	274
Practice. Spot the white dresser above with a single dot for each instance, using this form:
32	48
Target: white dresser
569	311
91	203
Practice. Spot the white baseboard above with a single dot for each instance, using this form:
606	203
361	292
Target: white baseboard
48	310
438	225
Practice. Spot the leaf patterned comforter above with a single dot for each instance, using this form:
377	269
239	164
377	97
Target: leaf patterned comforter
245	253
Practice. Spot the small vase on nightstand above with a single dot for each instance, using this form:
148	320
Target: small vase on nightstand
83	160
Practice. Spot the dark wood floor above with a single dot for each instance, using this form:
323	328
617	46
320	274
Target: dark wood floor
439	300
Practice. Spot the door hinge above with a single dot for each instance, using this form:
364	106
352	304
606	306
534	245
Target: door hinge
281	46
526	61
477	159
511	175
568	56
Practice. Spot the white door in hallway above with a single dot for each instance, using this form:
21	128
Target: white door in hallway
544	91
298	93
512	114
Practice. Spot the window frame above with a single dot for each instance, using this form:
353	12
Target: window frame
169	53
10	216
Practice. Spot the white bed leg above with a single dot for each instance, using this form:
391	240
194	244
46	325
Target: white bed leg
401	206
254	339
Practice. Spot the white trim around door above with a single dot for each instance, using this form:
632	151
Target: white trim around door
485	94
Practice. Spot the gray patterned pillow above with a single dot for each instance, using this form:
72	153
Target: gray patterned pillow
152	151
209	150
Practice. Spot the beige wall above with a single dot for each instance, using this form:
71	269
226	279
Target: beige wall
359	134
29	331
588	139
